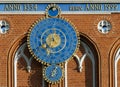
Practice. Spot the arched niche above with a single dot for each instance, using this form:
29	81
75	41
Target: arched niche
22	68
93	63
89	67
114	64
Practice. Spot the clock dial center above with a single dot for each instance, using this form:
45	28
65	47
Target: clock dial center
53	40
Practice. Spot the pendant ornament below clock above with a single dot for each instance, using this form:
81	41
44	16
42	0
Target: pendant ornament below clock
52	41
53	73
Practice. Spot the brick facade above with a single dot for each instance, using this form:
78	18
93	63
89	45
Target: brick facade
104	47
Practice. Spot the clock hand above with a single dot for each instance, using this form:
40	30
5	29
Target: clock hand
48	51
51	41
54	29
54	35
53	38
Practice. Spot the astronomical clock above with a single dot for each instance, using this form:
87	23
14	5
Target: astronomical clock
52	41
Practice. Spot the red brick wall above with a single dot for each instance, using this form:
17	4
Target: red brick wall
32	79
85	23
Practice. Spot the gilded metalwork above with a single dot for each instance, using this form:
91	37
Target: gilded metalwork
53	41
55	44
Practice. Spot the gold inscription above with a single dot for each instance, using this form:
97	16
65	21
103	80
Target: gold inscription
30	7
20	7
75	8
12	7
110	7
93	7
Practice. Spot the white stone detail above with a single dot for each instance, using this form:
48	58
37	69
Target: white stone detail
91	56
60	1
29	68
80	61
66	82
18	55
88	53
4	27
104	26
117	57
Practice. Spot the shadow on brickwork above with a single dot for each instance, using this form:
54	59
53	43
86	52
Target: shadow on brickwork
89	67
35	78
32	78
88	73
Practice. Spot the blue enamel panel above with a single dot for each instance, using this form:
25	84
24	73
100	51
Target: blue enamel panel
67	35
53	73
52	12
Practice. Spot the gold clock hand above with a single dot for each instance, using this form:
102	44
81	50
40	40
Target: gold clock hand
48	51
54	31
51	40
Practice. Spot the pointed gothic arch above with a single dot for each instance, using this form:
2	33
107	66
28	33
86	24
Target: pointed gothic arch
114	60
15	54
92	52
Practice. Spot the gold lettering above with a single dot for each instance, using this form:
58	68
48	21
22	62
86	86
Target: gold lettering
75	8
12	7
87	7
35	7
71	8
93	7
30	7
25	7
110	7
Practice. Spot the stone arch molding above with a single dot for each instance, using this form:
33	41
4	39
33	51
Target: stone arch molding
15	53
18	52
114	59
18	55
88	53
117	58
80	60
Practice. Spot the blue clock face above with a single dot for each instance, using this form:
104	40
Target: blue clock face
52	40
53	11
53	73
